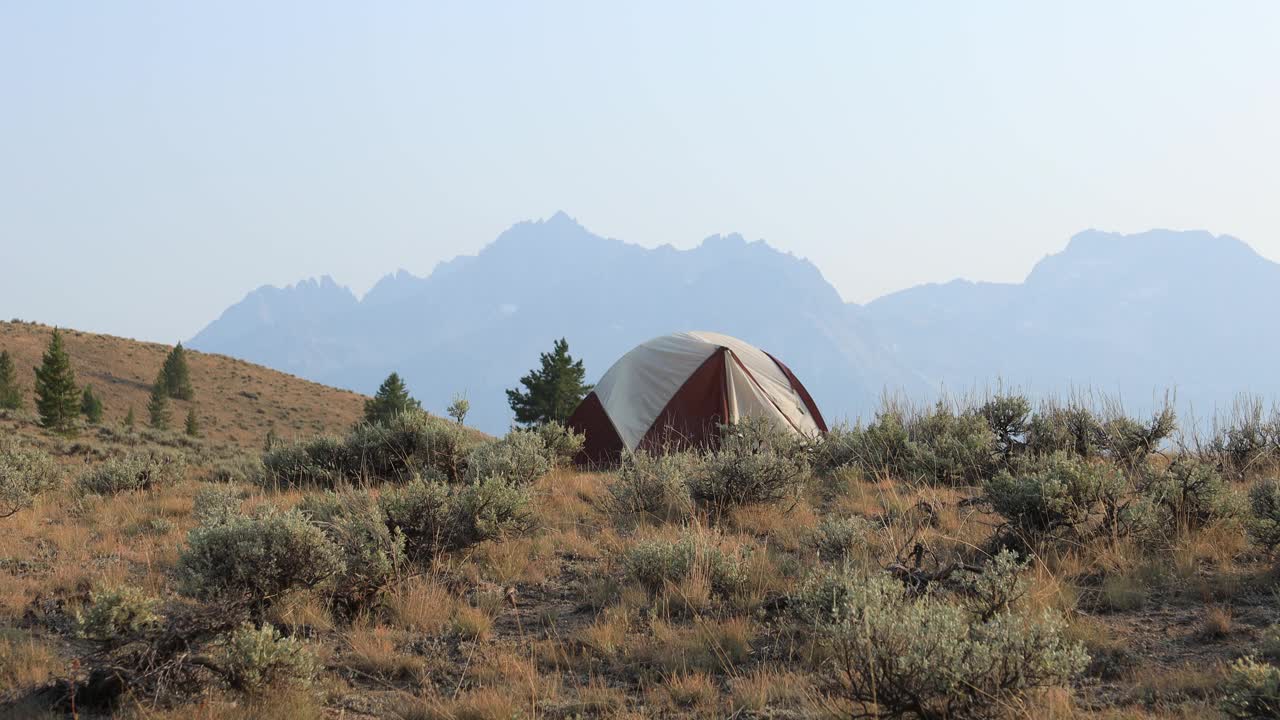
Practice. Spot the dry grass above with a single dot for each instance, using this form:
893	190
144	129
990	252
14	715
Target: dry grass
421	605
471	623
236	402
25	661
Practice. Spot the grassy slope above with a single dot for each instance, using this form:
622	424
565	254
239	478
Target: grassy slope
236	402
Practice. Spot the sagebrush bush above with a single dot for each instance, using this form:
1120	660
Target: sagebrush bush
1130	442
950	448
520	458
1264	514
1072	429
135	471
1249	441
113	612
373	552
435	517
489	509
836	538
1190	494
255	659
1252	690
563	443
25	472
1006	416
318	463
652	488
655	564
755	463
216	504
938	445
246	469
406	445
1054	494
420	511
257	559
925	656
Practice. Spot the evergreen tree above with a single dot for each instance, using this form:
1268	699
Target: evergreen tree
91	405
10	393
129	420
391	399
551	391
158	405
192	428
57	395
176	374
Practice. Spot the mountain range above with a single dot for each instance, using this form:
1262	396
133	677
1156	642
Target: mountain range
1126	315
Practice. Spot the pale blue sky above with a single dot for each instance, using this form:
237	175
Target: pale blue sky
158	160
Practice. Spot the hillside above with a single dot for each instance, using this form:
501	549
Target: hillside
236	402
1127	315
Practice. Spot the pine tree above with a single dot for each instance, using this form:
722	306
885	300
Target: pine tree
10	393
129	420
391	399
57	395
176	374
192	428
158	405
91	405
551	391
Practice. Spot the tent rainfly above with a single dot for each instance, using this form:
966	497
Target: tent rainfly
676	390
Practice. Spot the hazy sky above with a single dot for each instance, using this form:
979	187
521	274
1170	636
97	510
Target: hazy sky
159	160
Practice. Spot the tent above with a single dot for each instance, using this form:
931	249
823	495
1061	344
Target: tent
676	390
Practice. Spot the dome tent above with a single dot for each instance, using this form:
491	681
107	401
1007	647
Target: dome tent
676	390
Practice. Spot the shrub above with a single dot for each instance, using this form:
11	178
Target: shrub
656	563
925	656
257	559
1006	416
1252	690
836	538
257	658
135	471
406	445
519	458
838	449
318	463
488	509
563	443
756	463
373	553
434	517
1055	494
395	450
997	587
1264	514
216	505
420	512
240	469
950	448
1071	429
111	613
1190	494
1249	441
25	472
1129	441
652	487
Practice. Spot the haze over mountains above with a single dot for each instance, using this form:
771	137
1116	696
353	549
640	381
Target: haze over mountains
1127	315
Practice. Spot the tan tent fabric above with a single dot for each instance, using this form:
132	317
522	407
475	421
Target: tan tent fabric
665	380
